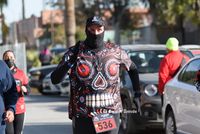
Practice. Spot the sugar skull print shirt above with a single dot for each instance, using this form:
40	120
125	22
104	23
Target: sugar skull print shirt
95	83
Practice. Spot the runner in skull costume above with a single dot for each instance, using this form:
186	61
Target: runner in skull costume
94	75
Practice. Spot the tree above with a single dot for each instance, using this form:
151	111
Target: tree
69	19
176	12
59	33
4	27
70	23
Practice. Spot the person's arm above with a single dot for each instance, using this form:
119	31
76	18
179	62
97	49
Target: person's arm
133	74
59	74
10	91
9	117
26	89
163	74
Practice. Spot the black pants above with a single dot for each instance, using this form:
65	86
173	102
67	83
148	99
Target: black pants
85	126
16	127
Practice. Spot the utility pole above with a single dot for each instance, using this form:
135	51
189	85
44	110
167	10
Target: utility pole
52	30
37	38
15	33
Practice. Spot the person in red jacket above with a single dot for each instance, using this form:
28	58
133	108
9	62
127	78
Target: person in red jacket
170	63
197	80
23	88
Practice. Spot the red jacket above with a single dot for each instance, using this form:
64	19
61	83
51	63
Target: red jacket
21	80
168	66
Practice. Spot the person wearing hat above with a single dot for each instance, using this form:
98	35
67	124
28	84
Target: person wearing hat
170	63
93	68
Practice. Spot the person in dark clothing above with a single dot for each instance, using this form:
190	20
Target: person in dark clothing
8	96
23	88
93	67
45	57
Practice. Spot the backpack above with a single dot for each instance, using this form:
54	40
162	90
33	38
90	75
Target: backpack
181	65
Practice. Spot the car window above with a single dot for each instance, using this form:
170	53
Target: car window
188	74
188	53
147	61
56	51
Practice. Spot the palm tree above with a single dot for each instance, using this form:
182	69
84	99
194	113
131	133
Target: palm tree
4	27
23	10
70	23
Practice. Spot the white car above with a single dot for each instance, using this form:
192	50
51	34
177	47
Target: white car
63	87
181	101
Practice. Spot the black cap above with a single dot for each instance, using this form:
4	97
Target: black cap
94	20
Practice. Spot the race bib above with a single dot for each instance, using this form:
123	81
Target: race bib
104	122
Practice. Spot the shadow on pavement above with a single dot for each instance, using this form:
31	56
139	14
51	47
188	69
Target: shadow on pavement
48	128
32	98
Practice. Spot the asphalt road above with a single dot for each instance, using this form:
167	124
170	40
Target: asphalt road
47	114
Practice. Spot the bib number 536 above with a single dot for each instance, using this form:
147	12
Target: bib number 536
104	125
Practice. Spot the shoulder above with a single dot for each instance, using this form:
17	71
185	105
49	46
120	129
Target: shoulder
2	62
3	65
18	70
112	45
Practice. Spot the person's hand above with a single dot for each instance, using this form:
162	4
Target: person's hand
9	116
75	53
136	101
23	89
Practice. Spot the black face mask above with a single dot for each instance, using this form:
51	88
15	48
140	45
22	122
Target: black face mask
9	62
94	41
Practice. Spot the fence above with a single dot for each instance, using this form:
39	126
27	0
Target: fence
20	54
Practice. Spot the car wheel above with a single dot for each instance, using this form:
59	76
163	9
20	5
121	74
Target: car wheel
127	121
170	125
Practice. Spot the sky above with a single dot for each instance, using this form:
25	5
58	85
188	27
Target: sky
13	11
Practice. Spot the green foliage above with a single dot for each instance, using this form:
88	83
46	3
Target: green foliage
128	21
59	33
4	2
80	34
32	56
190	76
56	59
169	10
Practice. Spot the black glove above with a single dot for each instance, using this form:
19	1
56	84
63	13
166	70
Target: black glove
136	101
73	58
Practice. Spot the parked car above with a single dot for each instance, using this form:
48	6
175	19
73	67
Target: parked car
37	74
62	88
196	52
57	50
195	49
147	59
181	104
